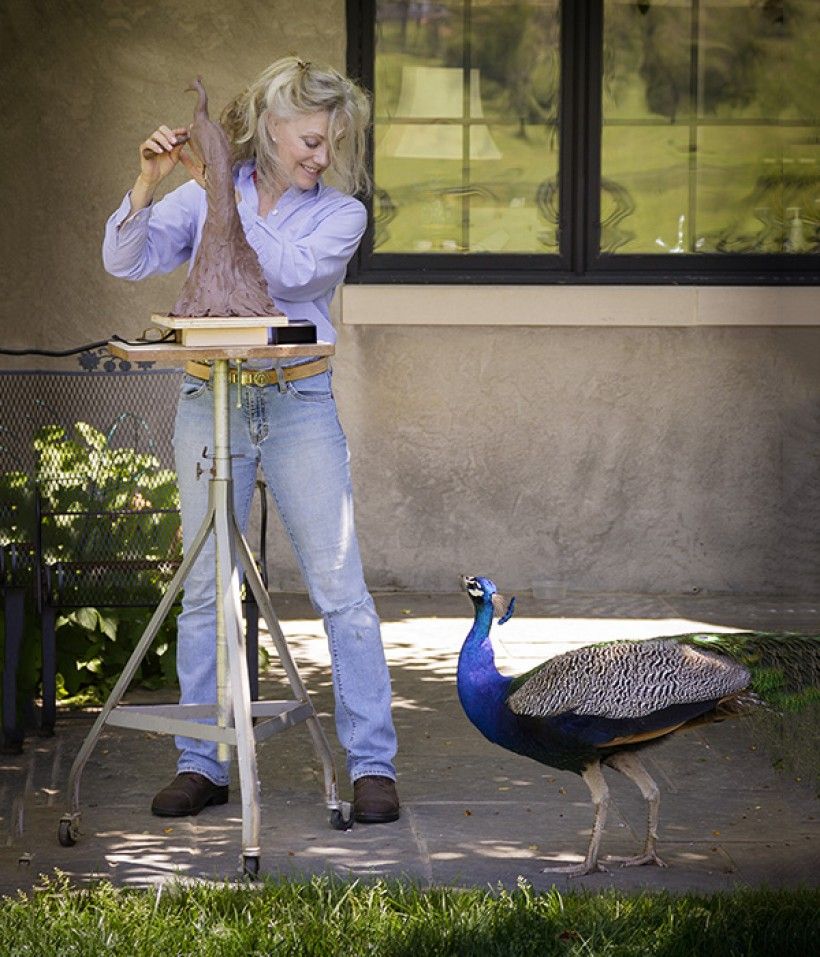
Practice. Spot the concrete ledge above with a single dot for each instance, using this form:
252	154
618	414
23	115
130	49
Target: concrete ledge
579	305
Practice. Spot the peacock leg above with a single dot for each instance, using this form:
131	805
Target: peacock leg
629	764
594	778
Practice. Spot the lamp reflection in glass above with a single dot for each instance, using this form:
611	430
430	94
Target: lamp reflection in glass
437	93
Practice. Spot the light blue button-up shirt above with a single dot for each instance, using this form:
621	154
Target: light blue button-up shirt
304	244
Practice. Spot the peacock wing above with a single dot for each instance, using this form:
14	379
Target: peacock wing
626	679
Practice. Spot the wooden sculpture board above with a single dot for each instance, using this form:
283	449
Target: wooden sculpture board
175	355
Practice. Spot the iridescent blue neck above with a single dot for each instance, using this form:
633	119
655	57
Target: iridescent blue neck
482	689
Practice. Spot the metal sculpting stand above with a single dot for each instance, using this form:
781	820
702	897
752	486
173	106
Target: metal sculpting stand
234	712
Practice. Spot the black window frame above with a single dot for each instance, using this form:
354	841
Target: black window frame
579	176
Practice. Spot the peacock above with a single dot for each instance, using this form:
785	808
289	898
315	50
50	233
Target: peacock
602	703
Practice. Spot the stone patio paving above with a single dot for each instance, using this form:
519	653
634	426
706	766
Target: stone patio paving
473	814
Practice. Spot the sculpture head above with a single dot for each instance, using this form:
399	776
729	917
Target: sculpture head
209	143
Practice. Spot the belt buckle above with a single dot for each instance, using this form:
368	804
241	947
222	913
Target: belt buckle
260	378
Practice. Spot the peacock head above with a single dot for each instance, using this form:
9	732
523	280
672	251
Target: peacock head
482	592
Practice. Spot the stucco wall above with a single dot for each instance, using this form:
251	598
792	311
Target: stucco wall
614	459
650	459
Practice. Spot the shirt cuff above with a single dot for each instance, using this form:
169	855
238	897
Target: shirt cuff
124	217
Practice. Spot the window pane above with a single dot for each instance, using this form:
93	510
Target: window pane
710	134
466	142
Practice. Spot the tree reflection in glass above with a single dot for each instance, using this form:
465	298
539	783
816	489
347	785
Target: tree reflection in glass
466	137
709	124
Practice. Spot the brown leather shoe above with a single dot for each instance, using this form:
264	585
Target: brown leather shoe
375	800
188	793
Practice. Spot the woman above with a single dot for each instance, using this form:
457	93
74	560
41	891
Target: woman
296	121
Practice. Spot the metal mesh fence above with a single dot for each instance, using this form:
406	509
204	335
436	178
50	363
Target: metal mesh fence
87	483
130	408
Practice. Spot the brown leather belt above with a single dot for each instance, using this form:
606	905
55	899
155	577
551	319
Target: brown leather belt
201	370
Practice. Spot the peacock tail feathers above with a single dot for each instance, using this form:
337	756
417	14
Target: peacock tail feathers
784	668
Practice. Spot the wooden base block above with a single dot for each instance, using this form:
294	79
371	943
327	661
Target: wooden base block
223	336
199	331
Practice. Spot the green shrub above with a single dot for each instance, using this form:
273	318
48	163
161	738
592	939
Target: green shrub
101	503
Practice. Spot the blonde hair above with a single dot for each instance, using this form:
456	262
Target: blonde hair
293	87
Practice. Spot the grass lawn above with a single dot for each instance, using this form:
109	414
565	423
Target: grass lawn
324	916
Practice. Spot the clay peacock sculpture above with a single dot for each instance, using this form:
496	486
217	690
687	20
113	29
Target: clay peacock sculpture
602	703
225	278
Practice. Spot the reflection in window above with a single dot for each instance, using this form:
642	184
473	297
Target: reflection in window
466	136
709	125
708	122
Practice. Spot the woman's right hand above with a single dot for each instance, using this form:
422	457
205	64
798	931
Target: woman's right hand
159	154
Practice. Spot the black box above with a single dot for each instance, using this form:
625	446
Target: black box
297	331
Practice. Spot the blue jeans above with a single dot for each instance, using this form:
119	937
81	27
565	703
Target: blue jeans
297	438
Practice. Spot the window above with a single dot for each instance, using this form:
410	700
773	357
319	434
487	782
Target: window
591	141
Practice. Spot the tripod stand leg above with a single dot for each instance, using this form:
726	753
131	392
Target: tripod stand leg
339	819
69	823
228	573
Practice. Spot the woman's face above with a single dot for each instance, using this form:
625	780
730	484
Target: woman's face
302	148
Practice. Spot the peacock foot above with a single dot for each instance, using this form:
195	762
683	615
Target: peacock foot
577	870
648	857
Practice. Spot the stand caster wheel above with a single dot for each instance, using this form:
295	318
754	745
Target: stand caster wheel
67	832
338	821
250	867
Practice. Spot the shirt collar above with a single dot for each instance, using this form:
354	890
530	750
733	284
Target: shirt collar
247	185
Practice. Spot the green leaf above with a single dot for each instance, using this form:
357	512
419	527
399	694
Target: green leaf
92	436
94	665
108	626
87	618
